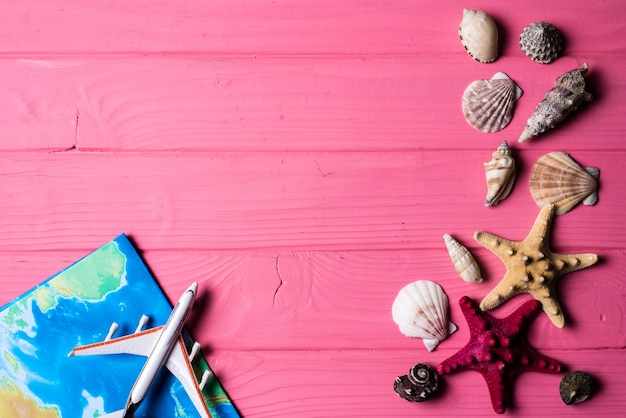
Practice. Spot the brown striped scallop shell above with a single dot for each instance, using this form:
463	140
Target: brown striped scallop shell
488	104
557	178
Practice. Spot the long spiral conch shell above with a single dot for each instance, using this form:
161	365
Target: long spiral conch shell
488	104
479	35
567	94
557	178
462	260
421	310
500	174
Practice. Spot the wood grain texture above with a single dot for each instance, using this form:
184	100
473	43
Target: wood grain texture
335	300
302	27
296	200
357	384
346	103
302	160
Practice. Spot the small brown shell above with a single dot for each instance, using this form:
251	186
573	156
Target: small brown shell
488	104
479	35
541	42
576	387
557	178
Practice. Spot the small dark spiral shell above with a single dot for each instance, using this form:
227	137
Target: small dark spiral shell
419	385
576	387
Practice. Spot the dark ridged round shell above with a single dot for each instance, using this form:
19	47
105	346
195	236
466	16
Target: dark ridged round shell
419	385
576	387
541	42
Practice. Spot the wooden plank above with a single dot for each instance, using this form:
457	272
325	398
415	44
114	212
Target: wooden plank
314	384
301	27
342	300
346	201
201	103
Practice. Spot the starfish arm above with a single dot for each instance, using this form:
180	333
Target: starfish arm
456	362
497	390
573	262
538	235
539	363
500	294
471	313
550	305
497	245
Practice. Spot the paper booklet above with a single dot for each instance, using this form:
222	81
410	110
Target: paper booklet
76	307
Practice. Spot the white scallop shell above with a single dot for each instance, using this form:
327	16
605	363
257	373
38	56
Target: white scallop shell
421	310
462	260
500	175
479	35
488	104
557	178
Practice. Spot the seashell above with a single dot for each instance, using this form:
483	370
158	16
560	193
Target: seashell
479	35
541	42
463	261
421	310
500	175
566	95
557	178
488	104
576	387
419	385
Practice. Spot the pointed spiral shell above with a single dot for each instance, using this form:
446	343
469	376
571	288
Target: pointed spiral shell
500	175
462	260
565	96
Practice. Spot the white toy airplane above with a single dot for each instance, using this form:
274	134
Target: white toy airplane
163	346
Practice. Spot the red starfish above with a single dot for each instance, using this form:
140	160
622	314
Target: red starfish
498	349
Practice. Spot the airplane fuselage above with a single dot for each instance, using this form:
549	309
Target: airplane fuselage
161	350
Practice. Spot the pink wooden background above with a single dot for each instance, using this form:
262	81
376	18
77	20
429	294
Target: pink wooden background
302	160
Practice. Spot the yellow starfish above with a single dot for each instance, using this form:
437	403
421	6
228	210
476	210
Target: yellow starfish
531	267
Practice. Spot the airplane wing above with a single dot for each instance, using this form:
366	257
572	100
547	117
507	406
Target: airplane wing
141	343
179	365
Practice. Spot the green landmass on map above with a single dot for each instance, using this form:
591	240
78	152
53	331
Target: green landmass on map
13	315
90	279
